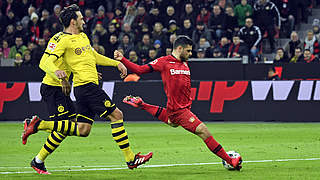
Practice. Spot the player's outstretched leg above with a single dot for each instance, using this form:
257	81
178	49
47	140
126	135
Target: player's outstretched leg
121	138
156	111
65	127
203	132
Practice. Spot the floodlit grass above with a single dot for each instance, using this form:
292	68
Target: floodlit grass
98	156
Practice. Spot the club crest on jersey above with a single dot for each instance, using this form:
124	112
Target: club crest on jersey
78	51
60	108
51	46
154	61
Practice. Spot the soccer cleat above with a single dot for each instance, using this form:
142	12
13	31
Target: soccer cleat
29	128
139	159
133	101
236	163
39	167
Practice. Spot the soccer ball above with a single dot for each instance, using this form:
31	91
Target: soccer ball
232	154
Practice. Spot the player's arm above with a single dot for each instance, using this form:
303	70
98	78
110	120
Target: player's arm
105	61
47	65
135	68
55	49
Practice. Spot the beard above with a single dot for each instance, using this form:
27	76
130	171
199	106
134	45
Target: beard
184	58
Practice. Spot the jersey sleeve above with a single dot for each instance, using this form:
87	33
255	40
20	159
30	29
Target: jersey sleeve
55	49
104	61
156	65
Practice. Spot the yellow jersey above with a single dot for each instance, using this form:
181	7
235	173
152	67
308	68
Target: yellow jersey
79	57
50	78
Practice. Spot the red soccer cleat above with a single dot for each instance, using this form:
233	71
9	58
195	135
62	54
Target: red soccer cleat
39	167
139	159
29	128
133	101
236	163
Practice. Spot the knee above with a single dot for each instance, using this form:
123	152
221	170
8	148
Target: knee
202	131
116	115
84	129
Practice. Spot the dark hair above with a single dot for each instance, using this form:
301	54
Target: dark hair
183	41
69	13
307	50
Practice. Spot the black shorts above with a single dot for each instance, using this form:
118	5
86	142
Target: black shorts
92	100
60	106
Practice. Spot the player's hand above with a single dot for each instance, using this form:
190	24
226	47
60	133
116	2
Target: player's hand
66	87
99	76
117	55
123	70
60	74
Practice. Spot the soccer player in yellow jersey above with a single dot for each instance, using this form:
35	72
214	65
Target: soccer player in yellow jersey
74	47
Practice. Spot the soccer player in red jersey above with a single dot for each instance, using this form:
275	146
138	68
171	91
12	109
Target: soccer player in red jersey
175	74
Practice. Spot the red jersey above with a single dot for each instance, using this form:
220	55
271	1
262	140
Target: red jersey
175	76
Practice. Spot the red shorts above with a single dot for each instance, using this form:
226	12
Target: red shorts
186	119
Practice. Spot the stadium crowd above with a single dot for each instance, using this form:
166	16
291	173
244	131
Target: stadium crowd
145	29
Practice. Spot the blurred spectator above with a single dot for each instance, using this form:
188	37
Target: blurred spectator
170	15
44	20
18	60
34	28
189	13
100	49
242	11
20	30
126	29
144	47
130	15
251	36
168	51
102	34
298	57
23	8
286	16
46	34
112	45
8	5
216	53
112	29
155	17
144	30
237	48
178	6
203	43
172	27
267	17
27	59
316	28
158	34
232	25
9	35
293	43
148	4
4	50
17	48
223	46
152	54
217	22
141	18
187	28
100	18
281	56
201	31
311	43
118	16
36	54
201	53
203	16
11	18
88	19
54	20
126	44
134	58
224	4
308	57
157	46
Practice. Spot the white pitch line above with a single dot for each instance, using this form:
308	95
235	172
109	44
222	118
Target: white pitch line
161	165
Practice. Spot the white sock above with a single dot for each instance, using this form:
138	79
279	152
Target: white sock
38	160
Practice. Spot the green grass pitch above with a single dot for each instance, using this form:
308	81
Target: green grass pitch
178	151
